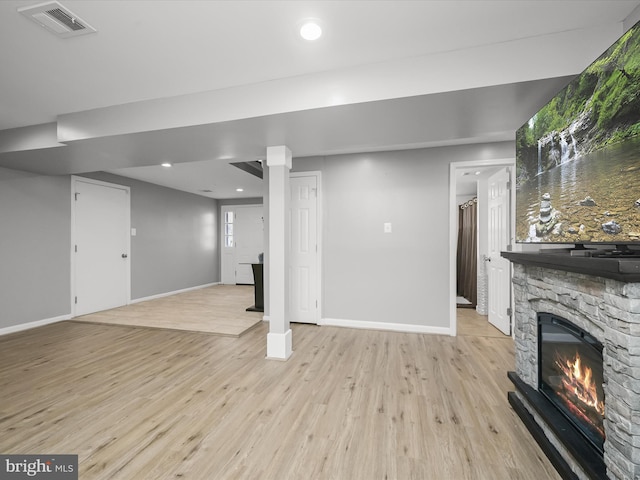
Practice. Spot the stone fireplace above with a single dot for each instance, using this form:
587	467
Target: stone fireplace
601	297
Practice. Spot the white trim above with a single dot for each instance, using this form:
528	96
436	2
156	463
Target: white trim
279	156
319	234
453	227
279	345
175	292
72	260
35	324
74	180
391	327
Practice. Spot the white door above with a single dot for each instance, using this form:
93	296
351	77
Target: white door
101	246
242	242
303	264
499	268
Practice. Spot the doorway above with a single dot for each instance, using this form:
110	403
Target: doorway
469	180
242	242
100	246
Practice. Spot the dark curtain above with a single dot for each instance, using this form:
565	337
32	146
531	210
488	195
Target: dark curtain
467	251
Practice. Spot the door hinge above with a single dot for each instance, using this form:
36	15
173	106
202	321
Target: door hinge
76	300
509	248
508	311
76	196
76	248
509	185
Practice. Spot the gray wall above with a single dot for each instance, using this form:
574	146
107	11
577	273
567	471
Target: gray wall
35	256
176	242
402	277
176	245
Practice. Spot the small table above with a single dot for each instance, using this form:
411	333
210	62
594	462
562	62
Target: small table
258	288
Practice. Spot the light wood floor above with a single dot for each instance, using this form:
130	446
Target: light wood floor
137	403
471	323
219	310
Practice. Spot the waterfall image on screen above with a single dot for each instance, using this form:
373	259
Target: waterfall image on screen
578	158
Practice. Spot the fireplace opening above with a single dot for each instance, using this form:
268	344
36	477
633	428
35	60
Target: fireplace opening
570	375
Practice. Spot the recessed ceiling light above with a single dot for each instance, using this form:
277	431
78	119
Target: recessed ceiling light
239	189
310	30
166	164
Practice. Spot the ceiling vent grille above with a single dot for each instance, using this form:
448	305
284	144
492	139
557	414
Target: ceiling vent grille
57	19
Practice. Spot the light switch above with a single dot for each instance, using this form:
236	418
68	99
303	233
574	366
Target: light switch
387	227
133	232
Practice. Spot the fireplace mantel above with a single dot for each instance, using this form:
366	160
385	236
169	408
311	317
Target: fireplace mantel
622	269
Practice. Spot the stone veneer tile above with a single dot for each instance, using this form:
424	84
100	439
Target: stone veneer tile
631	290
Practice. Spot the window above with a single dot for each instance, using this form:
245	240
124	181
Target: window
228	229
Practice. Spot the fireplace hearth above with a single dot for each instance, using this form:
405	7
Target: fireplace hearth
569	399
545	423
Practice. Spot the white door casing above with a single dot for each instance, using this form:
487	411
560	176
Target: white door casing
304	261
499	268
100	246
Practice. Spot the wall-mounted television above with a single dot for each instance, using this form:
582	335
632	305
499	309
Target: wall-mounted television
578	158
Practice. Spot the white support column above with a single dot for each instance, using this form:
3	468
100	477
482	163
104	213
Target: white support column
279	341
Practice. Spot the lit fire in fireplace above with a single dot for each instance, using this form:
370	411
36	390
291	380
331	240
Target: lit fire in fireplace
579	391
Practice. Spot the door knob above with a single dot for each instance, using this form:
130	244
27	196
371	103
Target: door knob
124	255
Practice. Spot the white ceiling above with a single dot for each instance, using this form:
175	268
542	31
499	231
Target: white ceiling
148	50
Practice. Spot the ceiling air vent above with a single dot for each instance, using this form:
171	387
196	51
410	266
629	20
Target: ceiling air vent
57	19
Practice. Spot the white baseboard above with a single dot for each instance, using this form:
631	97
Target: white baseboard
29	325
392	327
168	294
